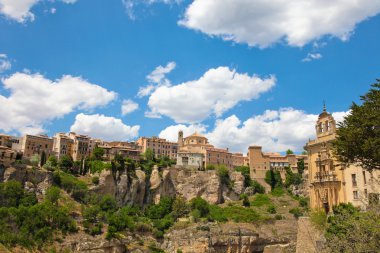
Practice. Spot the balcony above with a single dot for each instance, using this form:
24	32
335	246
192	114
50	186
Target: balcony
325	176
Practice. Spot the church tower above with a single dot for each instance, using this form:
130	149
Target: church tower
326	124
180	138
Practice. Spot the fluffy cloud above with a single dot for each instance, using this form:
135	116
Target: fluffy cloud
128	106
273	130
103	127
33	100
156	79
311	57
5	64
19	10
171	132
217	91
262	23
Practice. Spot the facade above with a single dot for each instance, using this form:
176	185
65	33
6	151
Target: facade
330	182
35	145
238	159
125	149
80	147
196	152
160	147
62	145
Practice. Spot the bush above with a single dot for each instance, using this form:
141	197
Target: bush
278	217
223	175
278	192
245	200
297	212
53	193
303	202
95	180
271	209
318	219
210	167
201	205
260	200
108	203
180	207
161	209
257	187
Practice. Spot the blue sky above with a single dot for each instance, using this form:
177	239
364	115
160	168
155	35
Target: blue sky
271	67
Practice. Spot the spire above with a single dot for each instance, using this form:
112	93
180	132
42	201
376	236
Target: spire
324	106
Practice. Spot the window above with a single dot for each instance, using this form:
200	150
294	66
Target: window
355	193
354	182
364	178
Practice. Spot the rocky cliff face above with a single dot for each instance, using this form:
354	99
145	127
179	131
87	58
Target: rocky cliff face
33	180
231	237
169	182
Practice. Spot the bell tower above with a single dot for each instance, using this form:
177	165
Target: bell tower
326	124
180	138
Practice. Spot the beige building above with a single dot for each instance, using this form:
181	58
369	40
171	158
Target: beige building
125	149
160	147
80	147
196	152
238	159
332	183
35	145
62	145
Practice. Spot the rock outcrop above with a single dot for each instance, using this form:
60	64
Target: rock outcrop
231	237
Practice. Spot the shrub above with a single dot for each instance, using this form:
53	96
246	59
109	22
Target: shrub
278	192
246	202
223	175
297	212
271	209
180	207
257	187
201	205
95	180
210	167
161	209
318	218
108	203
303	202
278	217
53	193
260	200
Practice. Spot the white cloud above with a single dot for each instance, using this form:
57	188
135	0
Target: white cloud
35	100
19	10
217	91
103	127
171	132
273	130
128	106
262	23
130	5
311	57
157	78
5	64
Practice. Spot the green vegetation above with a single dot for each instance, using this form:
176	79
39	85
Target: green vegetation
301	166
248	182
297	212
292	178
273	178
289	152
358	136
260	200
278	192
71	185
210	167
318	218
349	230
271	209
28	223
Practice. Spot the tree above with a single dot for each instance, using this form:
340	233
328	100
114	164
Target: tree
97	153
289	152
53	194
35	159
273	178
180	207
66	162
300	166
43	158
358	136
149	154
53	160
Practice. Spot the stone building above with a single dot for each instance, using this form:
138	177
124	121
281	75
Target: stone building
331	182
238	159
160	147
125	149
196	152
260	162
36	145
62	145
